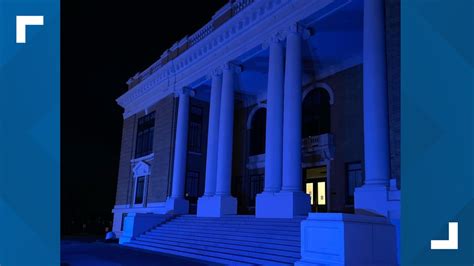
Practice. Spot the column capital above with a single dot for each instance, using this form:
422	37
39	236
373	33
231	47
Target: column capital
297	28
232	67
214	72
185	91
276	37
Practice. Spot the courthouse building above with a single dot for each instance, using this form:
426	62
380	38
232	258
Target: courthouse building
273	113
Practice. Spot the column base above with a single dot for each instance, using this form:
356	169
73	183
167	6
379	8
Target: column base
204	206
380	200
284	204
265	205
216	206
375	200
177	205
354	240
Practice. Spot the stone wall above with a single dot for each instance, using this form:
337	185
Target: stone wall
161	165
126	154
348	130
163	143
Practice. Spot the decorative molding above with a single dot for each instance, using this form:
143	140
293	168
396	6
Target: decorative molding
277	37
214	72
185	91
321	145
252	113
232	67
141	169
222	10
256	162
320	85
146	158
299	29
243	32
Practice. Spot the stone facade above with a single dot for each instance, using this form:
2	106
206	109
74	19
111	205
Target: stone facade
126	154
347	128
240	71
327	75
161	166
158	181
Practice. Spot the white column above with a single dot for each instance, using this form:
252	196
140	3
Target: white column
372	196
376	131
222	203
213	135
226	128
274	130
176	202
292	114
292	201
205	205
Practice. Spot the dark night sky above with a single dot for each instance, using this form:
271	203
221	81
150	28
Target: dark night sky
103	44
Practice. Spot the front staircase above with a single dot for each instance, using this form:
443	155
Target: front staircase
230	240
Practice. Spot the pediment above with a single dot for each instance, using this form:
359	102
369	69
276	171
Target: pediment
141	169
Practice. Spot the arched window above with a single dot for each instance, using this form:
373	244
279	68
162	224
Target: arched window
316	113
257	132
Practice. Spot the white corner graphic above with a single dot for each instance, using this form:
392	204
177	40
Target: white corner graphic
451	243
22	22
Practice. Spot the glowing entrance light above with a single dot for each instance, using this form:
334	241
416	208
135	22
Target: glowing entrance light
310	191
321	193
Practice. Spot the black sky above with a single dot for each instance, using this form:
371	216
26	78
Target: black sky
103	44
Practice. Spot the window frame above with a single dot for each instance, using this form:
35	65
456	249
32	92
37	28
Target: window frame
144	136
195	132
145	191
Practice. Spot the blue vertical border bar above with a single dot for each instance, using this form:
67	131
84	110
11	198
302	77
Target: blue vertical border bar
29	135
437	129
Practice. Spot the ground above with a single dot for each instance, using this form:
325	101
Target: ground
85	251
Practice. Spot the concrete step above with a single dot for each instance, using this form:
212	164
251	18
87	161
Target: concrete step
227	237
230	240
276	226
234	250
268	236
240	221
240	217
270	249
277	231
189	255
203	252
217	240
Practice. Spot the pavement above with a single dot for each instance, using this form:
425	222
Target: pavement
85	251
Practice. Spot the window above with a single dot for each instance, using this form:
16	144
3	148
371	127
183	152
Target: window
257	132
195	129
140	190
354	180
144	145
192	184
316	113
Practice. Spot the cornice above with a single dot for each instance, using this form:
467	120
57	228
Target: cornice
243	32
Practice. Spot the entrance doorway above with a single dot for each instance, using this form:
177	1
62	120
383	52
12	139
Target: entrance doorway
192	190
315	186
